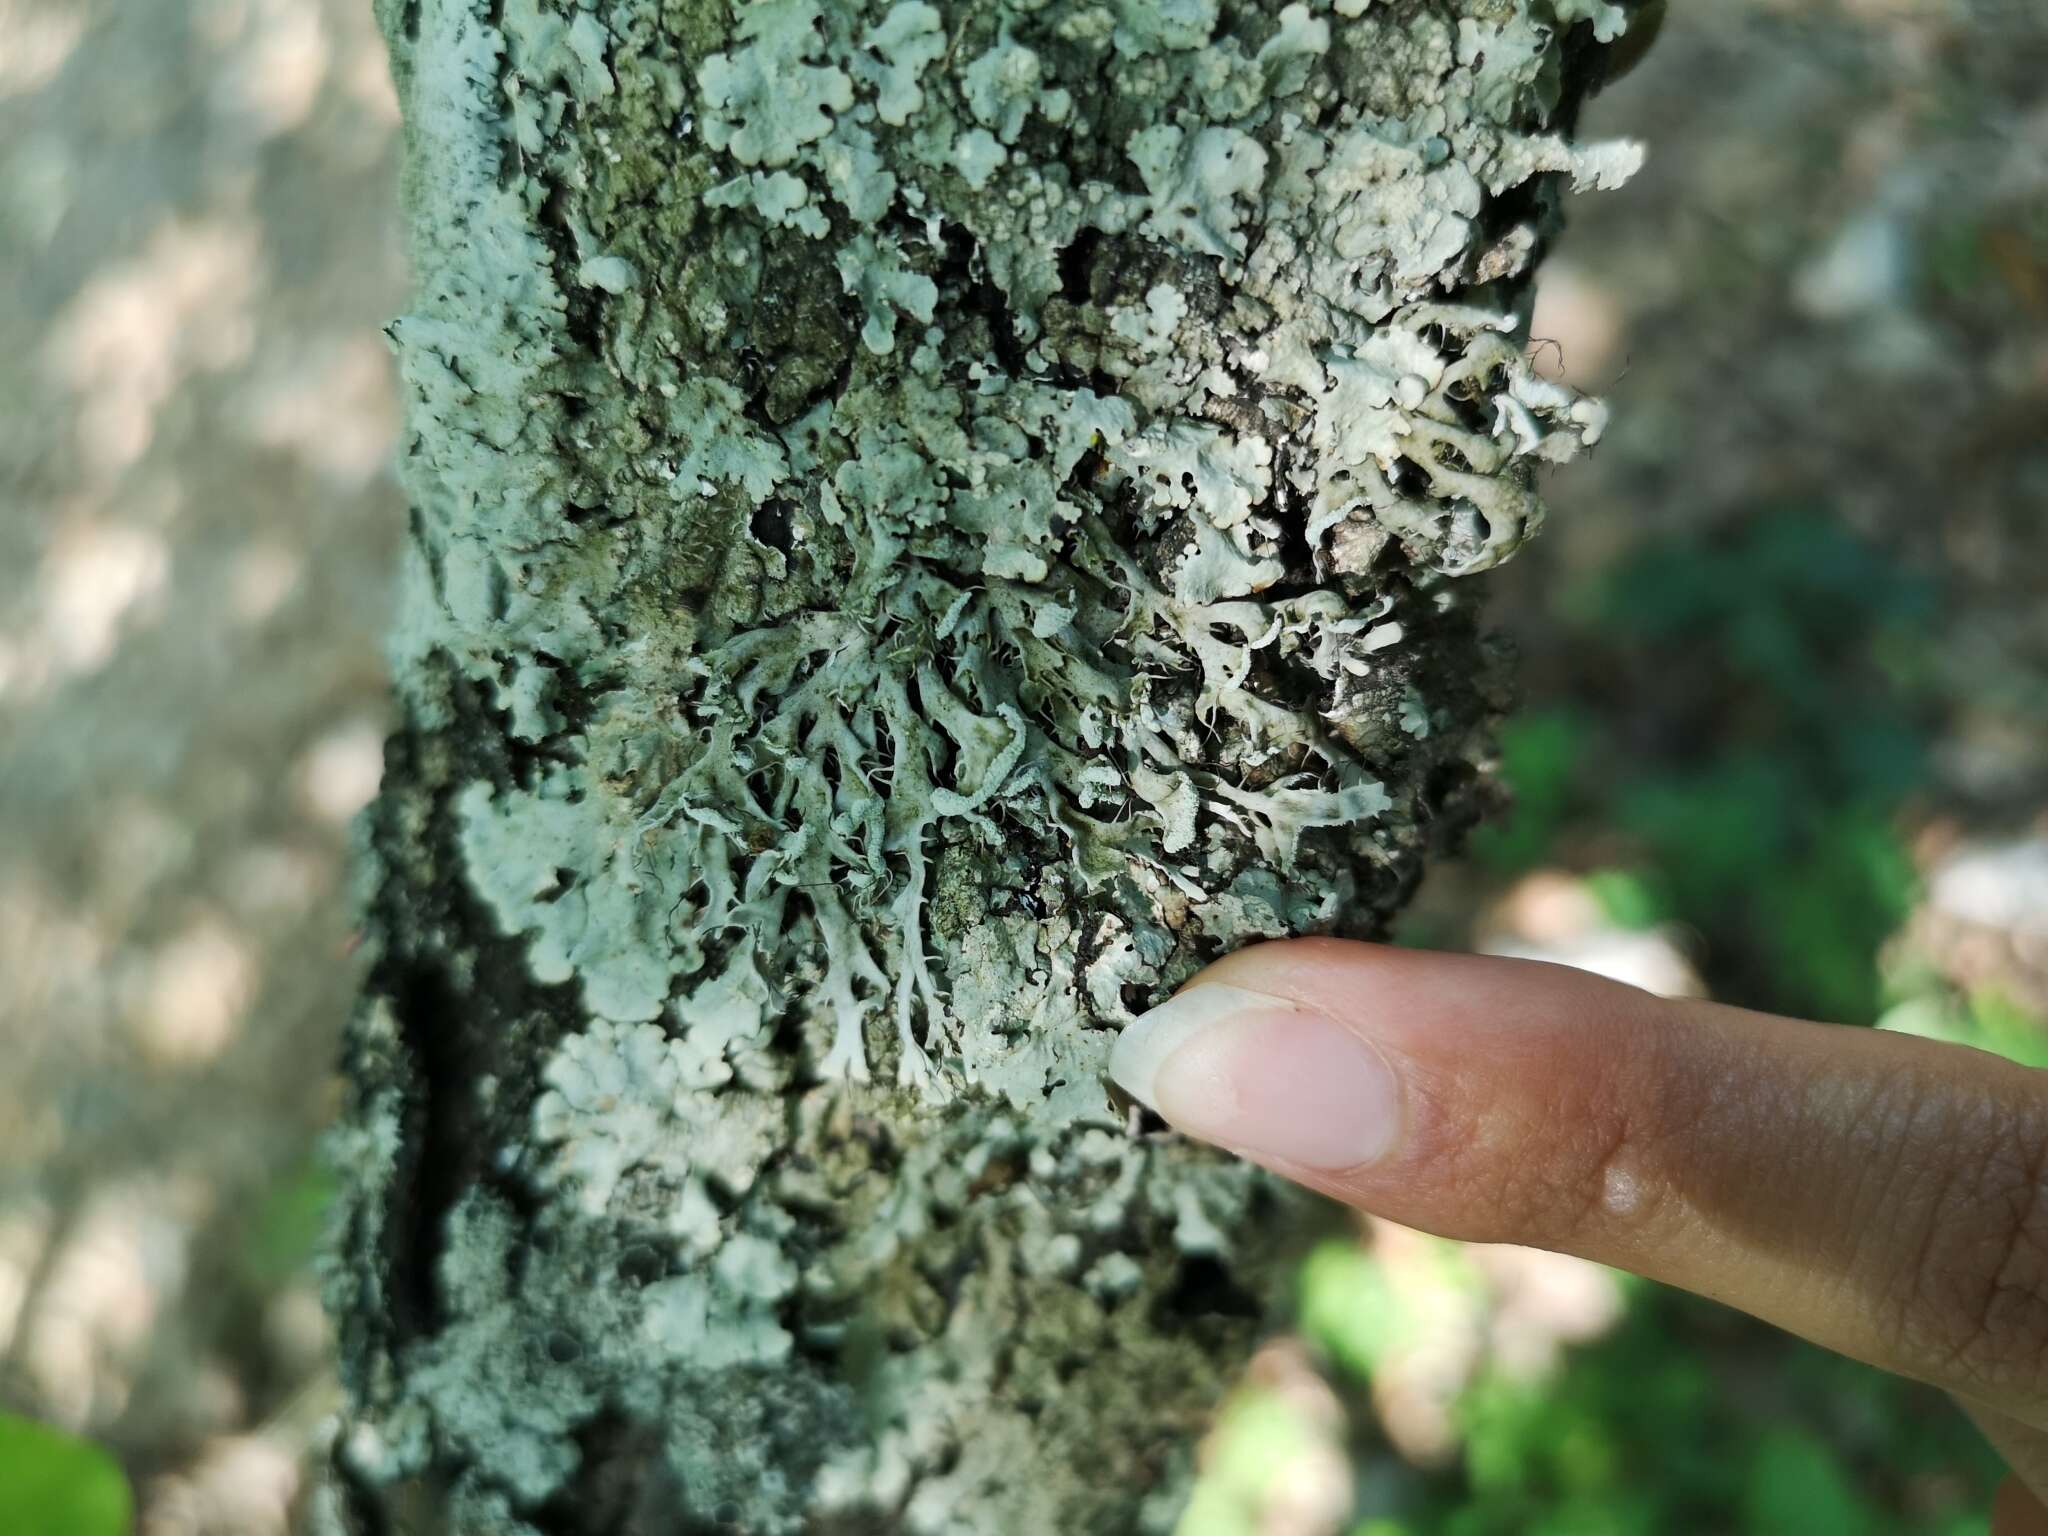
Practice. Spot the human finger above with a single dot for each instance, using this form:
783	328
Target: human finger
1877	1193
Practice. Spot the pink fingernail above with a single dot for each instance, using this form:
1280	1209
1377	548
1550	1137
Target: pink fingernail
1261	1075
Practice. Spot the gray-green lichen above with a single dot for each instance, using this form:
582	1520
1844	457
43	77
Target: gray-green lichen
929	523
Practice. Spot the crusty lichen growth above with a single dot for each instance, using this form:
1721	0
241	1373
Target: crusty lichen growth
930	523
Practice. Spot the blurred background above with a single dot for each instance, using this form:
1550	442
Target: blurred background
1785	742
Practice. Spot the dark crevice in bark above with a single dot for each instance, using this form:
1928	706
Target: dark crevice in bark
442	1129
964	272
770	525
1203	1290
460	994
366	1514
1077	265
583	314
618	1483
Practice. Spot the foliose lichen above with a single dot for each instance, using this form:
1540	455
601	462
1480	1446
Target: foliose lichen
930	522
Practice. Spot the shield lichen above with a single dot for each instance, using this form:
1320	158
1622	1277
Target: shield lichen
929	523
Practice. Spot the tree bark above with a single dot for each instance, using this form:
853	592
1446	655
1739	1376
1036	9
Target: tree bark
929	523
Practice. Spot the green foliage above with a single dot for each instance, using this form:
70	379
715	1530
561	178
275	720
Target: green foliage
1992	1021
1629	898
1746	718
282	1238
1685	1418
1963	258
1955	263
1795	1487
1259	1436
1346	1309
1985	1019
53	1484
1790	733
1543	754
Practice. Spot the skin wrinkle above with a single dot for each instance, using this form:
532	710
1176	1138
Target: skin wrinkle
1624	1117
1919	1283
1602	1127
1931	1298
1901	1134
1681	1104
2004	1221
1744	1158
1653	1150
1874	1120
2029	1240
1607	1152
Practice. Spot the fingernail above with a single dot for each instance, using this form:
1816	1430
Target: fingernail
1260	1075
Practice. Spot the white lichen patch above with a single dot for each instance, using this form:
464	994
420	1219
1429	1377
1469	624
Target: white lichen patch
645	1126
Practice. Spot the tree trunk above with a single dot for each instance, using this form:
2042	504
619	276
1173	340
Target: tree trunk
929	523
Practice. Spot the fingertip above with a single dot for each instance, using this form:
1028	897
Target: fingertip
1147	1043
1529	1102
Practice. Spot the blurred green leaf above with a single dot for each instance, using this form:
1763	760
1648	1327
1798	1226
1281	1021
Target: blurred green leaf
1629	898
1254	1446
1765	716
54	1484
1540	758
1795	1487
1347	1309
1997	1023
1839	895
1986	1019
285	1233
1953	254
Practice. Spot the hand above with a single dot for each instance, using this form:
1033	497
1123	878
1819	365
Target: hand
1883	1195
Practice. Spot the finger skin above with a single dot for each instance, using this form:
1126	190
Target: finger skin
2017	1510
1876	1193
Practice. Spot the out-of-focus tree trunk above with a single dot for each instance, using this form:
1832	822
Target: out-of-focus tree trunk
929	522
